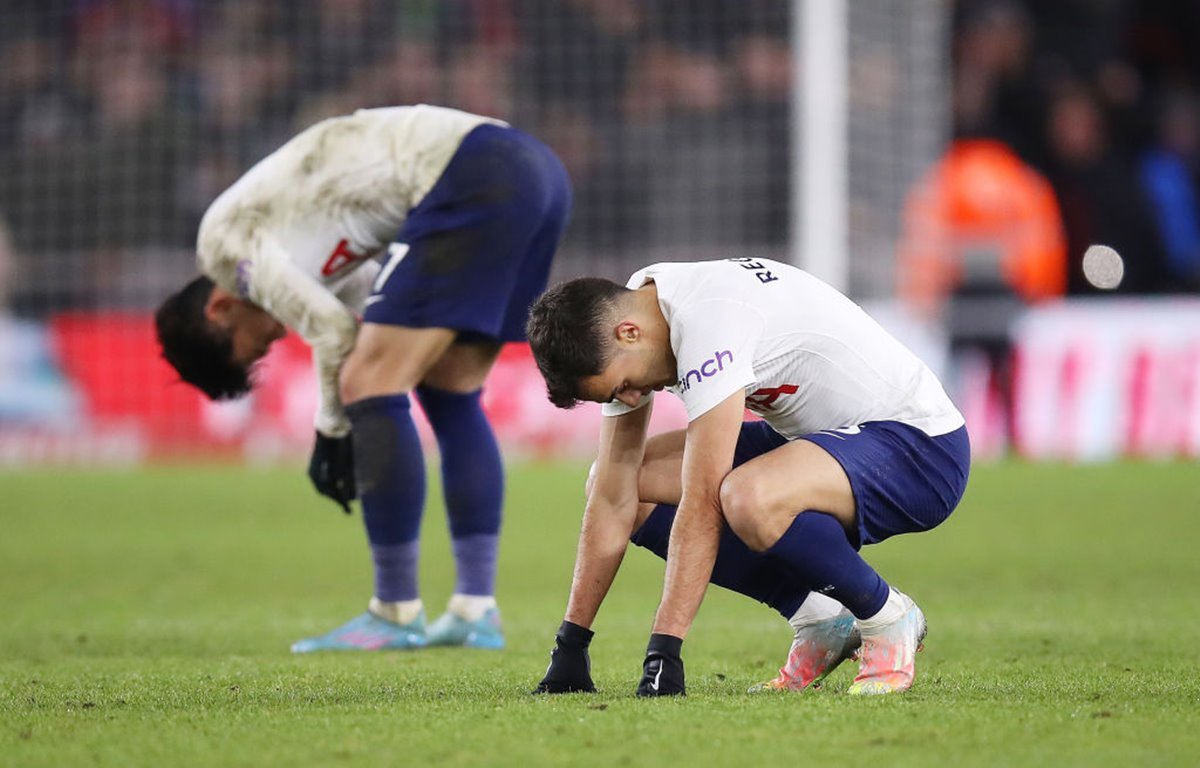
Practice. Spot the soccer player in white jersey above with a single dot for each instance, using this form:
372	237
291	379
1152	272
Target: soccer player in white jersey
858	442
437	226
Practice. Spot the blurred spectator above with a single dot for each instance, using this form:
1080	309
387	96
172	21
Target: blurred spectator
707	108
241	97
335	39
1168	171
34	110
761	54
1098	190
108	186
996	90
127	171
594	39
982	239
478	44
580	116
477	82
981	221
676	108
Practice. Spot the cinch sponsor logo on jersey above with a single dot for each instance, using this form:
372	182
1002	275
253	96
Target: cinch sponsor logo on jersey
710	367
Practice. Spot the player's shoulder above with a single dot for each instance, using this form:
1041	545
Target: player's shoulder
735	278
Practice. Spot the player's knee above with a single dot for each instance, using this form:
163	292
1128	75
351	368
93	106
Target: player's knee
743	507
372	370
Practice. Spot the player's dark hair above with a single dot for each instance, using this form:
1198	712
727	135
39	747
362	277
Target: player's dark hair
201	354
567	335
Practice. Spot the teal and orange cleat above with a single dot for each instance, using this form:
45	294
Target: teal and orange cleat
817	649
888	654
367	632
452	629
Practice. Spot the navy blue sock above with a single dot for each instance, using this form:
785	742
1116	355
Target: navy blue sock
389	469
737	568
816	549
472	482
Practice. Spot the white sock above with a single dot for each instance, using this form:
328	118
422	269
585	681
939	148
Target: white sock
470	607
400	612
895	607
816	607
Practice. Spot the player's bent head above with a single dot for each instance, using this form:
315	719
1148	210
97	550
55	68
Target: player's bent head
568	334
199	351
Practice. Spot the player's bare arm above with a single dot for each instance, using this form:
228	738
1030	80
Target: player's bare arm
330	328
695	538
608	521
707	459
610	514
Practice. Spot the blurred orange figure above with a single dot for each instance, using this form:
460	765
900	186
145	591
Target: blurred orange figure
981	220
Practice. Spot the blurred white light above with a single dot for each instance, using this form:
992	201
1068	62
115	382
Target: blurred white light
1103	267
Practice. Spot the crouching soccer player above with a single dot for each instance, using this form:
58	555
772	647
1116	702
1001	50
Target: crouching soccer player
858	442
475	210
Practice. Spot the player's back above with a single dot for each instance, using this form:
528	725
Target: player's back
819	360
853	369
347	182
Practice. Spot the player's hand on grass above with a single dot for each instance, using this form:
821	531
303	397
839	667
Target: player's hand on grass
332	469
662	671
570	669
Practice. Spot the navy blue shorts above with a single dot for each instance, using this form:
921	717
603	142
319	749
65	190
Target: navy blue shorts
480	243
904	481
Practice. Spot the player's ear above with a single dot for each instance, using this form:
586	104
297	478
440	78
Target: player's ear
219	306
628	331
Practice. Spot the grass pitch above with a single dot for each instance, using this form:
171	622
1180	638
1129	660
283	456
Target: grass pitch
145	619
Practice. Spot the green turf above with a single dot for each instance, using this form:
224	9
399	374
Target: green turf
146	618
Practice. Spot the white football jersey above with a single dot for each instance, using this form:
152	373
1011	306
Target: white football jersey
299	232
807	357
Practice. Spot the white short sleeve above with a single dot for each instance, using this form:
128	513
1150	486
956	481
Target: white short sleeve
714	342
617	408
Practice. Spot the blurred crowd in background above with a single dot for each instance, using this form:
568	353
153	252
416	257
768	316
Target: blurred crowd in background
1074	122
121	120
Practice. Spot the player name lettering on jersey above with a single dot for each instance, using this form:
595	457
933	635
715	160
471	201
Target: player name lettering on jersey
760	270
710	367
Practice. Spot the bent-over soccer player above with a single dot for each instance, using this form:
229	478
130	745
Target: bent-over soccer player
473	210
858	442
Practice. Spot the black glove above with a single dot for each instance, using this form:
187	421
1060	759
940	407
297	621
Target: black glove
332	469
662	671
570	669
